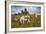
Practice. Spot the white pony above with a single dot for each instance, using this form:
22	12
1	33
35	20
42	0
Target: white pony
24	19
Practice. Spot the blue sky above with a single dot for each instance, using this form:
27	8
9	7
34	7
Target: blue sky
30	9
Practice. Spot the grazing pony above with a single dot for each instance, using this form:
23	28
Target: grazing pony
24	19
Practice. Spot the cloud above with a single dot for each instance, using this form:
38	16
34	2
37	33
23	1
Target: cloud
30	9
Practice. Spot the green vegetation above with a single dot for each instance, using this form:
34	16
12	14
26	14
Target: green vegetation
34	21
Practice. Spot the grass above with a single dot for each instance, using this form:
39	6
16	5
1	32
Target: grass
34	21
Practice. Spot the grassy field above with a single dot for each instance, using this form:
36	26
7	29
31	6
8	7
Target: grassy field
34	21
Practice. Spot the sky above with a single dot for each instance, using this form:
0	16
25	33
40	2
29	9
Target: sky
30	9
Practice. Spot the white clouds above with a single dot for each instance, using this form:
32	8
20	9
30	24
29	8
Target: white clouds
30	9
